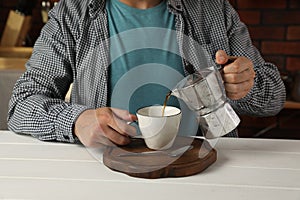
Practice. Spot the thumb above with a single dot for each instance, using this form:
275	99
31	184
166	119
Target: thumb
221	57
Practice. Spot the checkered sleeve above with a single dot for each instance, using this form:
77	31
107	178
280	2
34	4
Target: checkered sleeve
268	93
37	105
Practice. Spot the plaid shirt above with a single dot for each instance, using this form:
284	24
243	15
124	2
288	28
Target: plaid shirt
72	48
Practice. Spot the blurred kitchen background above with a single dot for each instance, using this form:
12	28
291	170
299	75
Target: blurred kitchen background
274	26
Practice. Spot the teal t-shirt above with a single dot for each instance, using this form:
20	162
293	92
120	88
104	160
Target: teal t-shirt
145	63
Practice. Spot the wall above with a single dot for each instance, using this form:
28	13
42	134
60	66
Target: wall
274	26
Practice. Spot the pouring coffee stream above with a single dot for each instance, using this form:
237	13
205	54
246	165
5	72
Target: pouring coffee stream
190	69
165	102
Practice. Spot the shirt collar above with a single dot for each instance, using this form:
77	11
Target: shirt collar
95	6
175	5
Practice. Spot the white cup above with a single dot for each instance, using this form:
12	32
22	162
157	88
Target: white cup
159	132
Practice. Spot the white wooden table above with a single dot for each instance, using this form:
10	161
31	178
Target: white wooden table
245	169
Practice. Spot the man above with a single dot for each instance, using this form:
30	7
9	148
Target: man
83	44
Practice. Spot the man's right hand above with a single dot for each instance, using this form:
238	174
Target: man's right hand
104	126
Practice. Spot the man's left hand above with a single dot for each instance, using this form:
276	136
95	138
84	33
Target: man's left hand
238	76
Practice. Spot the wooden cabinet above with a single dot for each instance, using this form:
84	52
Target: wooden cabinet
14	58
16	29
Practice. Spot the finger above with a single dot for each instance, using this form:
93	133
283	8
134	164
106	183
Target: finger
114	136
246	75
93	137
111	118
121	117
236	96
221	57
101	142
240	87
239	65
98	136
122	127
123	114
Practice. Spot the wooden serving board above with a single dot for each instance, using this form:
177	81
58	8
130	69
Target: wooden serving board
161	165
